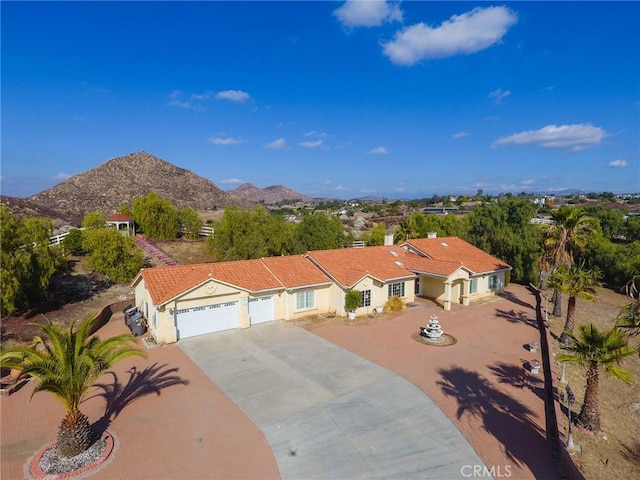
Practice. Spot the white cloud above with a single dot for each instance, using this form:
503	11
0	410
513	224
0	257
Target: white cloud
340	188
528	182
570	137
399	188
461	34
228	181
379	151
224	141
202	96
176	99
327	182
61	176
279	144
313	133
233	95
498	95
618	164
369	13
311	144
459	135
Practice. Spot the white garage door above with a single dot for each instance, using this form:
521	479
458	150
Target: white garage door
261	310
212	318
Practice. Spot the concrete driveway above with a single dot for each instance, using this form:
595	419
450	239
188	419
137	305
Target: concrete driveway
328	413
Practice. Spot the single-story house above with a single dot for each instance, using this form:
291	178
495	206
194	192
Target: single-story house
181	301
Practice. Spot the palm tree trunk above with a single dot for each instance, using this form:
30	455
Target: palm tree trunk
557	303
75	434
589	416
570	322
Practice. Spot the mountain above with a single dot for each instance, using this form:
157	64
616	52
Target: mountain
121	180
269	195
24	208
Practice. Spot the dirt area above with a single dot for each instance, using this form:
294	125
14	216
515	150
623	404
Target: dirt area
186	252
617	453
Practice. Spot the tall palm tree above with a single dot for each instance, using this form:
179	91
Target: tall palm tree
569	233
577	282
67	363
628	319
594	349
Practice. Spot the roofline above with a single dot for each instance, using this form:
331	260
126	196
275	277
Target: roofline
494	271
274	289
301	287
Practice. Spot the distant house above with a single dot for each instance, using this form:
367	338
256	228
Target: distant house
187	300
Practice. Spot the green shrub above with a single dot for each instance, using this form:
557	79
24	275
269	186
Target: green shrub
352	300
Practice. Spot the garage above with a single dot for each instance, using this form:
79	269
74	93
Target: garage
208	319
261	310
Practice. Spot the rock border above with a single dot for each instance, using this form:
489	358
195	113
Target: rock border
36	473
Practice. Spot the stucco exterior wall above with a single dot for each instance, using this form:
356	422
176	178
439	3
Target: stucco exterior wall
287	303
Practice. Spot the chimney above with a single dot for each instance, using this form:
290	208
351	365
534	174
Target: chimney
388	238
432	234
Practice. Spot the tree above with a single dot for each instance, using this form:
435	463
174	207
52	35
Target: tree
72	242
569	233
577	282
67	363
156	216
112	253
242	235
594	349
628	319
318	231
407	229
191	222
504	230
378	233
95	219
27	260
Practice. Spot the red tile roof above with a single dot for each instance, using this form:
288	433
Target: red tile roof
119	217
454	249
435	256
349	265
294	271
166	283
419	264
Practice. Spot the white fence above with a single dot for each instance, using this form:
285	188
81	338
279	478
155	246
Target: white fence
204	231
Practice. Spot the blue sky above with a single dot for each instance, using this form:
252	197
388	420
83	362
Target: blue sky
333	99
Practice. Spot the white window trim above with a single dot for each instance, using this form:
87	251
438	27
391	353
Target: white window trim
306	307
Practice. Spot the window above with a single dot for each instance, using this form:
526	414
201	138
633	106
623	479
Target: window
473	286
366	298
493	282
396	289
305	300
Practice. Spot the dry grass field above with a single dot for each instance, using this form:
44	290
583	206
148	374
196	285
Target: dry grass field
616	454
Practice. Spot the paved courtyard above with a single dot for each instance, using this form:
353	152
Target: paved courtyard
343	401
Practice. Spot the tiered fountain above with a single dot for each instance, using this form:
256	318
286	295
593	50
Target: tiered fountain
432	334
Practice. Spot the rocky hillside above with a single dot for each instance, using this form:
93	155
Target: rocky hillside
25	208
269	195
121	180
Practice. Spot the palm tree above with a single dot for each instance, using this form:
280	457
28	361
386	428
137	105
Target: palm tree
67	363
406	230
578	282
569	233
628	319
593	349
